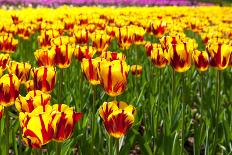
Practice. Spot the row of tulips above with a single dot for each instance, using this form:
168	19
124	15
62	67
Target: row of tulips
90	39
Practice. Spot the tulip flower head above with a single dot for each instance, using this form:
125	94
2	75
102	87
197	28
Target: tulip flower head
201	60
113	76
219	55
118	117
110	56
32	100
21	70
159	57
84	52
136	70
9	89
44	78
45	57
89	68
37	126
4	61
64	119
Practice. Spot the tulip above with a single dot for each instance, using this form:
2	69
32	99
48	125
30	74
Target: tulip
219	55
81	36
7	43
110	56
180	57
136	70
9	89
63	56
37	126
46	36
44	78
84	52
32	100
159	57
45	57
100	40
4	61
113	76
64	119
118	117
157	28
125	37
1	111
89	68
21	70
62	40
201	60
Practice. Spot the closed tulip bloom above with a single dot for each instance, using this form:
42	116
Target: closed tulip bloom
37	126
113	76
44	78
136	70
63	56
32	100
64	119
219	54
45	57
82	52
159	57
21	70
46	36
180	56
118	117
9	89
201	60
4	61
110	56
1	111
89	68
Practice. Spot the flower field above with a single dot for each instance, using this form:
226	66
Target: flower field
116	80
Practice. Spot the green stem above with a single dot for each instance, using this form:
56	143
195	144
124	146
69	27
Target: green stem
117	146
110	145
7	129
217	110
20	141
173	93
60	86
58	148
183	114
93	115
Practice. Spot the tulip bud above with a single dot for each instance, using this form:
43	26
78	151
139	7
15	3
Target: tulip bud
113	76
110	56
9	89
44	78
159	57
4	61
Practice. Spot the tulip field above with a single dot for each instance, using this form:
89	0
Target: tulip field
111	80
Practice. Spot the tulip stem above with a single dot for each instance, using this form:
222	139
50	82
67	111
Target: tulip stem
117	149
183	114
7	128
110	145
173	93
58	148
217	109
93	115
60	86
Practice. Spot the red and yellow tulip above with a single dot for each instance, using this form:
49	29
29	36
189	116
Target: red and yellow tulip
118	117
9	89
136	70
45	57
201	60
